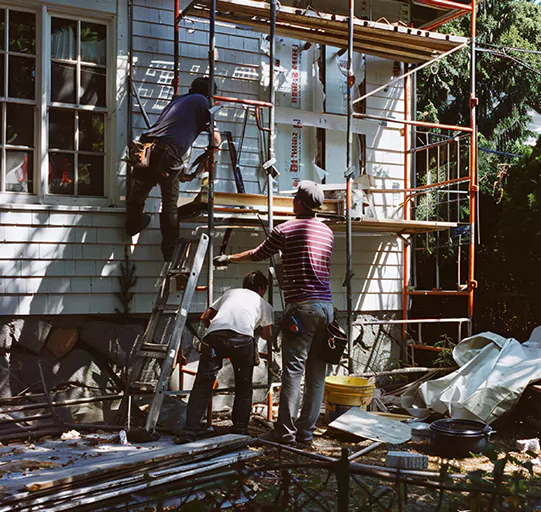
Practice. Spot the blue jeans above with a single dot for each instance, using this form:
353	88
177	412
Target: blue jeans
300	356
239	349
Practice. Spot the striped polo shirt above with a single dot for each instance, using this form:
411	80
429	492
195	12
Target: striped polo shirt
306	245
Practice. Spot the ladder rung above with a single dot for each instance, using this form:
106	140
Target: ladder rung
144	386
158	347
153	354
167	308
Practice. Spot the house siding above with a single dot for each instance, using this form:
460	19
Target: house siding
67	260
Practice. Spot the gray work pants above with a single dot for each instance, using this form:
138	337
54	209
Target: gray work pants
300	356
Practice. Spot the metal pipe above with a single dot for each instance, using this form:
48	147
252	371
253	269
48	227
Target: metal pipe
412	71
446	4
210	199
176	48
474	187
349	186
414	123
414	321
406	214
445	19
270	181
255	103
260	127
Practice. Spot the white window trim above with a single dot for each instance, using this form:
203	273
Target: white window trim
44	13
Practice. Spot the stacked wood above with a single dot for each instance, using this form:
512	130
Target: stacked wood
99	483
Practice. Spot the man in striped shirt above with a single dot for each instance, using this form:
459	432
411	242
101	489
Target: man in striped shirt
306	246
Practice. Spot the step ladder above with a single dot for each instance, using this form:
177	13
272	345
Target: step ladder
153	357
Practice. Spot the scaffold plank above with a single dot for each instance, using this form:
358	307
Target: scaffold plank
391	41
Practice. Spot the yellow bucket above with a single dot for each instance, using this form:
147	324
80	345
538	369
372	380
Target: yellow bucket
343	392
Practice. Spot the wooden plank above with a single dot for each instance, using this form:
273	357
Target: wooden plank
105	466
389	41
258	200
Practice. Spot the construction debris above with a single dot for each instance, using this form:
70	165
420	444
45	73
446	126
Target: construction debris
95	471
371	426
406	460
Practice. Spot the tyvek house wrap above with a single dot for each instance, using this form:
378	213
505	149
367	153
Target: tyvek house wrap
294	82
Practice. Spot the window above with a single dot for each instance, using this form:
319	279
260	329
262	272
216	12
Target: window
77	107
67	58
17	99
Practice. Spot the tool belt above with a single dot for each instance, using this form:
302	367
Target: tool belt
333	344
139	154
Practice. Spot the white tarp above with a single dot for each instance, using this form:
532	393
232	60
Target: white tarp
493	373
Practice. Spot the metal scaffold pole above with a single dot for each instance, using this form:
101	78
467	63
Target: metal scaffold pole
175	50
211	56
474	186
349	184
270	190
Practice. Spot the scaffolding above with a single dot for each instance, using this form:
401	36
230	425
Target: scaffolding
440	161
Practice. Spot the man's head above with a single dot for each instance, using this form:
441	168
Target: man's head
201	86
308	198
256	281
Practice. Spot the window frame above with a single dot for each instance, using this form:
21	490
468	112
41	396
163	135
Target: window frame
40	194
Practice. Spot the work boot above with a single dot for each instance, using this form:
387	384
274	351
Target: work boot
137	224
169	229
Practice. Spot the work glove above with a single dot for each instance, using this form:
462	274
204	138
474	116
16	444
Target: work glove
221	261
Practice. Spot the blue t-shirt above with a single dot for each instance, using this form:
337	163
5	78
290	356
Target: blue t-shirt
180	122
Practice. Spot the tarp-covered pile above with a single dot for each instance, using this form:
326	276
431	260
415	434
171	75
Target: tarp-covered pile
493	373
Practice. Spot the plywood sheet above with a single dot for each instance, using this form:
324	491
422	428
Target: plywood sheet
370	426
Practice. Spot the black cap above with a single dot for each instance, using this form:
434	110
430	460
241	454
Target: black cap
201	86
310	194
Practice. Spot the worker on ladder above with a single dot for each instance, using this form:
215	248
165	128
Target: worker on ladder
167	151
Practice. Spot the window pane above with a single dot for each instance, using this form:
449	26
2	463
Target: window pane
2	27
91	132
93	47
63	83
92	86
22	32
63	39
61	173
61	129
22	77
20	125
19	171
90	175
2	61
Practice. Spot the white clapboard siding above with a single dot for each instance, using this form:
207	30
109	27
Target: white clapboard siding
67	260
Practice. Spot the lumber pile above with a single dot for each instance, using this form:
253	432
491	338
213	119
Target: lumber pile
117	479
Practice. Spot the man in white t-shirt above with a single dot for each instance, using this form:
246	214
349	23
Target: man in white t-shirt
231	323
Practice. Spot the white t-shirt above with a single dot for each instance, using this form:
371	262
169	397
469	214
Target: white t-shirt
242	311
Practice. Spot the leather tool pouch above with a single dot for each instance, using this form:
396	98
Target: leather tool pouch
139	154
333	344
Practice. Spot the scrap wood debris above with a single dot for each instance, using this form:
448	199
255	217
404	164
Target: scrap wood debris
87	475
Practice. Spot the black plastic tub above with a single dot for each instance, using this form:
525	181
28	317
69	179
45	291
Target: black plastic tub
459	438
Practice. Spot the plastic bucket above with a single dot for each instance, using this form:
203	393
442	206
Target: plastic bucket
343	392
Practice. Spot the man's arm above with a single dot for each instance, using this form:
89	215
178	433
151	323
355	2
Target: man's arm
217	139
207	317
265	250
266	332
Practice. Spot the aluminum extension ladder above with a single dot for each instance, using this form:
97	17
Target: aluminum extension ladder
153	357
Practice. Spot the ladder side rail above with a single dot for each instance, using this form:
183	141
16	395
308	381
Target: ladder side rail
175	340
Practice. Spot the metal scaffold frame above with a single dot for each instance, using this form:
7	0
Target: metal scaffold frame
208	9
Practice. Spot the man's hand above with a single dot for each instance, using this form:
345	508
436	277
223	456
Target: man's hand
221	261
